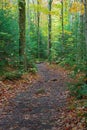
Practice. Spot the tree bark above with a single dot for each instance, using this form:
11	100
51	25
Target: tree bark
38	29
62	25
62	13
22	28
85	5
2	4
49	27
28	17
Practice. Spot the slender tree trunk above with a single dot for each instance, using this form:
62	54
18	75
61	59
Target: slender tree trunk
38	30
22	28
28	17
82	34
86	24
2	4
85	4
34	12
62	13
5	3
49	27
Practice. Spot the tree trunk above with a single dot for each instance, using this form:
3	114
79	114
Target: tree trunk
85	4
82	34
22	26
62	13
38	30
2	4
49	27
28	17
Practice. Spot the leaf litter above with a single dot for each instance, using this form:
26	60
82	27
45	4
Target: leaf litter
40	102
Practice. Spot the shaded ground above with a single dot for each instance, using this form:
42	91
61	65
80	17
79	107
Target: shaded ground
41	107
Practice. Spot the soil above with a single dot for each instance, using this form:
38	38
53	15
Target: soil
41	106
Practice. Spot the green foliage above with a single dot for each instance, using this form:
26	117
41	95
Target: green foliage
32	43
12	75
8	37
68	47
78	89
69	50
83	91
33	70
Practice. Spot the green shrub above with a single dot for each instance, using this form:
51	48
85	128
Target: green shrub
78	90
13	75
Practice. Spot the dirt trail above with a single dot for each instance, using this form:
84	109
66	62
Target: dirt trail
40	107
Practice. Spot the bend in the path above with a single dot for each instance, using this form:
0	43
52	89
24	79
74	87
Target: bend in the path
40	107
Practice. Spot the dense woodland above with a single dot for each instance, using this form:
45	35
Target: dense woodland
32	31
54	31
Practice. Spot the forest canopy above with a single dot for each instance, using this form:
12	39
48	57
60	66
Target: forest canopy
34	30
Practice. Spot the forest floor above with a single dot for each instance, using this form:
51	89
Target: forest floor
40	102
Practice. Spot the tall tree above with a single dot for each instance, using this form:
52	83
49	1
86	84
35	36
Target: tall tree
38	28
49	26
62	24
62	14
28	13
85	5
86	23
22	28
82	41
1	4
